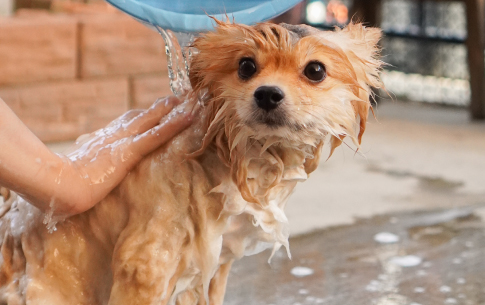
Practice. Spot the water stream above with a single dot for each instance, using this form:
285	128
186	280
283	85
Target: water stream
179	51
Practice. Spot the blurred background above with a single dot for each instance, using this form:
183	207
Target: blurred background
400	222
73	51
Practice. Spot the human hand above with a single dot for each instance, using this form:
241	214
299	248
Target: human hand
104	157
73	183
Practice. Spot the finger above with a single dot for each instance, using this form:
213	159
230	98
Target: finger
152	116
123	119
155	137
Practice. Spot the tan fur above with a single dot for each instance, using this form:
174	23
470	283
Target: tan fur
170	231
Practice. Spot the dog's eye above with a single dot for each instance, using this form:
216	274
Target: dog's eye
247	68
315	71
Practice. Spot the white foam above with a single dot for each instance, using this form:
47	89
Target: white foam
421	273
419	289
374	286
303	291
451	301
386	238
406	261
301	271
457	261
445	289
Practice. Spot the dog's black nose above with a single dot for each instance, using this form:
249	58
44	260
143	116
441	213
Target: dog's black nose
268	97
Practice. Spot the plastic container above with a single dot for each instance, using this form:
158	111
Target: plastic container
191	16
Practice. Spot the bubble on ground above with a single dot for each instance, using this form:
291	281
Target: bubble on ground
419	289
301	271
421	273
406	261
386	238
392	299
373	286
460	281
303	291
427	264
457	261
445	289
451	301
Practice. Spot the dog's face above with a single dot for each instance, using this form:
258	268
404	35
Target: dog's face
290	81
290	84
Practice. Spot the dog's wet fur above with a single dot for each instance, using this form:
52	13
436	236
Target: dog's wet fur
170	231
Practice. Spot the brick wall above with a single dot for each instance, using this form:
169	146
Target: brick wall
66	74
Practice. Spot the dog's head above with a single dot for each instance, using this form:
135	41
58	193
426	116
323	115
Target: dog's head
283	83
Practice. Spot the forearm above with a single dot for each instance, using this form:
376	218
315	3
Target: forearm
99	161
27	166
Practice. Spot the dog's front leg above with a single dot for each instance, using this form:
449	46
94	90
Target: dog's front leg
146	265
217	288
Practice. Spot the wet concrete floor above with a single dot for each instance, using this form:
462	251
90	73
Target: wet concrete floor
404	258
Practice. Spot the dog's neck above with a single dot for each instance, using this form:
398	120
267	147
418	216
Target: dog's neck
264	169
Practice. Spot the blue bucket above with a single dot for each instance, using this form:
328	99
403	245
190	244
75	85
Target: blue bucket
191	15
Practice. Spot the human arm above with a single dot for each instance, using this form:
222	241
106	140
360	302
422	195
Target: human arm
75	182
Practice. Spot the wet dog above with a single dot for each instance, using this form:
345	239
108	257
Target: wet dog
271	96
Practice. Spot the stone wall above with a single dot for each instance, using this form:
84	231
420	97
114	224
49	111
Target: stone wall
69	73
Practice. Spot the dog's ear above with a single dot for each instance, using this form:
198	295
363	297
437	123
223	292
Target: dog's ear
363	52
196	76
214	53
360	45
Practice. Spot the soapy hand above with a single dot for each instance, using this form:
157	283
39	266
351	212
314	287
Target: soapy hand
75	181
